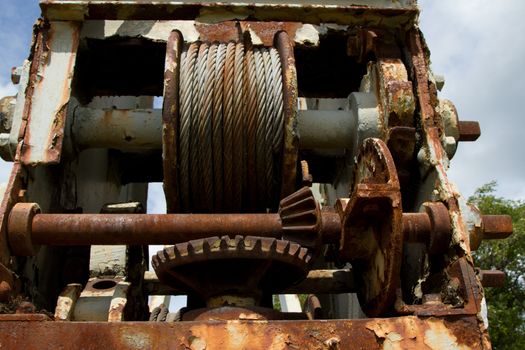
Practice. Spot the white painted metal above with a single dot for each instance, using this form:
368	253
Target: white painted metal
290	303
142	128
52	90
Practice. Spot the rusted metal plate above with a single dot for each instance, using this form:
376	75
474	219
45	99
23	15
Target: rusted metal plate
290	94
170	121
48	92
368	12
393	333
372	236
10	198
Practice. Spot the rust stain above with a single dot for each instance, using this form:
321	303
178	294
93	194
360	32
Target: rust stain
14	186
401	333
235	30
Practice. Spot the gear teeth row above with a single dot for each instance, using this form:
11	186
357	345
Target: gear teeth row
226	247
169	261
300	216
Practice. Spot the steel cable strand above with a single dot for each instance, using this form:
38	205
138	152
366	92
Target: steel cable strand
185	86
259	133
228	124
251	114
205	128
238	127
268	129
278	124
196	171
217	124
278	101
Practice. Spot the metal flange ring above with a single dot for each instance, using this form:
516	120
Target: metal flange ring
372	228
19	229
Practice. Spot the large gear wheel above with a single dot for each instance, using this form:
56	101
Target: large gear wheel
243	266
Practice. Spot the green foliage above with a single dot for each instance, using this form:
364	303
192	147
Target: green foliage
506	305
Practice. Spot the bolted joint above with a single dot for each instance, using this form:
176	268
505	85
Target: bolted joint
20	229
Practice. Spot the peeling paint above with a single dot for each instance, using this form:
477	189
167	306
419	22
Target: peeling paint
307	35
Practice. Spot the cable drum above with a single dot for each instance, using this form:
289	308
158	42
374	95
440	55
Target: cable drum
231	128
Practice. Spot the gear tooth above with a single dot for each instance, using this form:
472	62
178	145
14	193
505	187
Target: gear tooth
249	243
196	246
180	250
266	244
293	249
296	196
214	243
307	257
281	246
300	217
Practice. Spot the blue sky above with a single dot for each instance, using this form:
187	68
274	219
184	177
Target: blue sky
477	44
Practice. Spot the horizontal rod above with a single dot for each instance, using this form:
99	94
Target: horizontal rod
132	129
131	229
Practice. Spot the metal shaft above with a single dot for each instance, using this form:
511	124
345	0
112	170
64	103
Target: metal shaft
142	128
108	229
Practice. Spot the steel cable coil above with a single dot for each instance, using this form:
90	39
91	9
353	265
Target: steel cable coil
231	127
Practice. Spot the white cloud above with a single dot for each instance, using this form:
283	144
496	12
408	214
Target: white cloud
7	89
478	45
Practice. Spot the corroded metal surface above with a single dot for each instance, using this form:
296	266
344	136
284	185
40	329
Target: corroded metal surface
421	133
377	12
7	284
252	313
66	302
48	92
10	198
469	131
492	278
372	236
170	120
393	333
301	218
20	229
290	93
241	267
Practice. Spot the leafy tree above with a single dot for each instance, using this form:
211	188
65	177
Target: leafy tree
506	305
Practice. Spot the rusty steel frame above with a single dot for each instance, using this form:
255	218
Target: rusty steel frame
363	12
435	325
407	332
47	100
27	227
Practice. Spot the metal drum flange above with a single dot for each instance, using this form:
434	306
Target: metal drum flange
372	229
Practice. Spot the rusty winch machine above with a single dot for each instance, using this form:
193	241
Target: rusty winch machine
302	148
